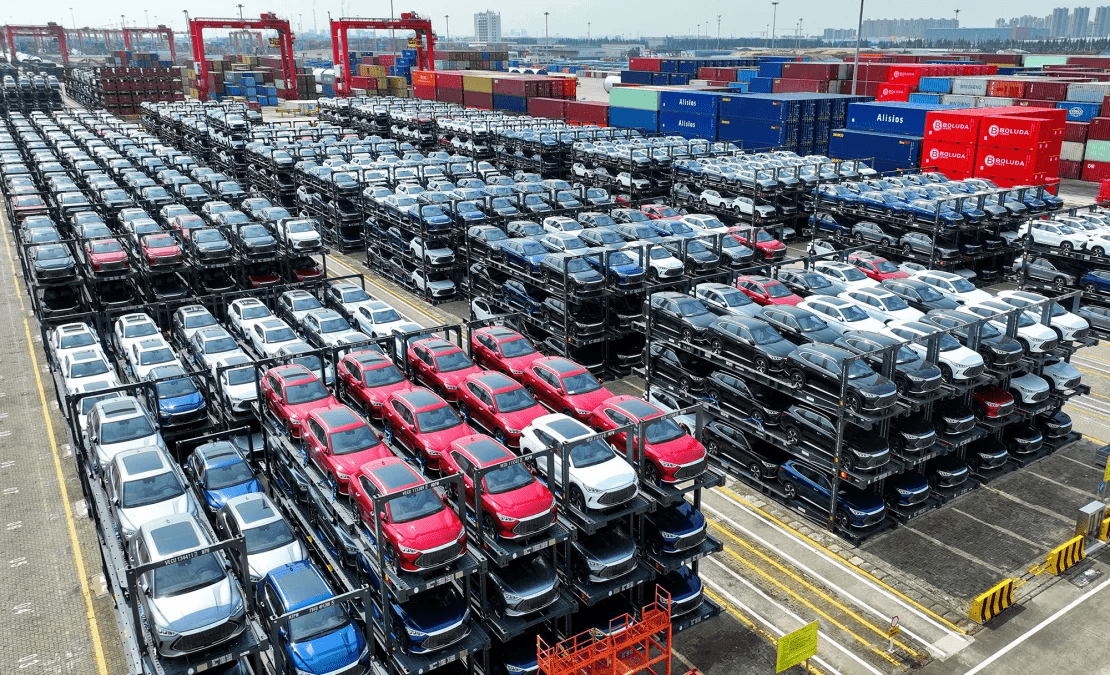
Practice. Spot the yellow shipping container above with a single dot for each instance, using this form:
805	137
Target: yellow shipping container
479	83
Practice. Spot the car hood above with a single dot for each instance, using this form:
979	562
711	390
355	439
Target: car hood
609	475
329	652
528	578
976	295
180	612
781	348
963	356
606	546
1062	370
217	498
517	364
530	500
133	518
590	400
181	403
823	336
1031	383
680	520
868	324
434	531
264	562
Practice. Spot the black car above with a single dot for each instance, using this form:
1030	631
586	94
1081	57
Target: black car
486	239
804	282
913	375
695	256
53	301
946	473
823	366
862	449
639	232
213	281
255	240
595	219
524	586
906	490
950	418
52	262
601	557
799	325
762	405
689	372
995	348
918	294
674	529
751	341
167	287
680	313
911	434
573	271
582	320
1022	438
1054	424
601	236
208	244
986	454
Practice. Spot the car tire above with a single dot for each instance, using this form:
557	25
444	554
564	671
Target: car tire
392	560
1098	251
1059	283
687	335
500	436
846	461
653	275
489	525
854	403
793	435
684	383
1089	288
753	469
902	386
464	412
797	379
577	499
907	250
1066	246
858	237
946	373
716	346
790	491
760	364
651	473
841	520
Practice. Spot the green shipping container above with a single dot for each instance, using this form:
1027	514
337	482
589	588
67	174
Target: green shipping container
1097	151
637	98
1041	60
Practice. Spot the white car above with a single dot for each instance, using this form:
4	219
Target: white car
143	485
1061	375
437	285
483	310
561	224
85	405
70	337
881	304
300	352
1028	388
270	335
956	361
118	424
299	234
191	318
1049	233
1099	243
1034	336
254	517
841	314
378	319
714	198
599	477
434	254
845	273
725	300
131	328
759	212
323	327
82	366
1069	326
953	286
660	263
237	386
702	223
243	313
346	297
212	346
294	305
146	355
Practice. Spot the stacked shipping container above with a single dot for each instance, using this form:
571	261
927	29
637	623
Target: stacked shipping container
498	91
120	90
889	132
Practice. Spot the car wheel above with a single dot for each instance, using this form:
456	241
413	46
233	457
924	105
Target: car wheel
859	238
392	560
577	500
653	275
793	435
1059	282
758	415
489	525
790	491
1098	251
753	469
1066	246
846	462
500	436
854	403
651	473
946	372
761	364
841	520
907	250
715	346
1089	288
684	383
902	385
687	335
797	379
531	392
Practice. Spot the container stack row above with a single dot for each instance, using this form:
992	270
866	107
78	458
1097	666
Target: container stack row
469	59
889	132
491	90
250	76
120	90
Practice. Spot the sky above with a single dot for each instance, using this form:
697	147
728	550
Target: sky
569	19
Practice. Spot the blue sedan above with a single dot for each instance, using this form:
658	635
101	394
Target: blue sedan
882	202
431	216
619	267
526	253
218	472
1095	281
855	509
517	295
176	397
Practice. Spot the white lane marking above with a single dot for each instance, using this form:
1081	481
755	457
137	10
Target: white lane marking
1036	629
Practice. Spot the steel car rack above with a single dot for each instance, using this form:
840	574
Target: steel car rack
703	475
78	277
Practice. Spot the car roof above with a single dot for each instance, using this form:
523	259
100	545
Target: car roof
299	585
141	462
484	450
421	398
253	507
171	535
561	365
495	381
393	474
338	416
218	453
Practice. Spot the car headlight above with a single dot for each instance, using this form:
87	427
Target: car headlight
858	514
342	476
506	519
512	597
450	387
593	490
164	632
669	465
407	550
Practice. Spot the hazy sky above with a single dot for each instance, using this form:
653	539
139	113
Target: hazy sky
644	17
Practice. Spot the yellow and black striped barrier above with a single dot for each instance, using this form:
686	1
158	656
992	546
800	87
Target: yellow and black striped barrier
1104	529
1061	558
992	603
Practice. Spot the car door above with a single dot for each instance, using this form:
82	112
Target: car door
481	408
316	442
485	350
405	432
422	364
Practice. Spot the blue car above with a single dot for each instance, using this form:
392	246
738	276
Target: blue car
674	528
825	222
525	252
320	642
517	295
619	267
218	472
835	194
881	202
685	590
468	213
1095	281
431	216
673	228
177	400
907	490
927	210
970	210
855	509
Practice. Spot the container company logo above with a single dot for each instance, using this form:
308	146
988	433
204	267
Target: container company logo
996	130
687	102
937	153
991	160
889	119
945	125
1076	111
687	123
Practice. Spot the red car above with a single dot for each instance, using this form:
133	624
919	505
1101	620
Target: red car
673	455
766	291
27	206
514	503
161	249
306	268
769	247
660	212
993	403
424	423
106	255
369	377
441	365
877	268
338	441
503	349
499	404
291	392
262	274
419	531
564	386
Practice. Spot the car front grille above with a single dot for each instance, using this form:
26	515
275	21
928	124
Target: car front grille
672	272
1049	345
928	385
447	637
916	498
442	292
439	557
689	540
615	570
1039	396
589	286
686	605
885	401
535	524
961	426
112	266
618	496
1080	334
1072	383
1005	409
974	371
872	518
205	638
690	470
186	417
537	602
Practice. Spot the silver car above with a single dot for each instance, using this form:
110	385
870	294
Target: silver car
193	603
120	424
270	542
144	485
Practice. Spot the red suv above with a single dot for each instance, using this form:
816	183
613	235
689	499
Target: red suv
877	268
291	392
106	255
673	455
369	377
660	212
514	503
419	531
161	250
441	365
564	386
769	247
503	349
766	291
498	404
993	402
338	441
424	423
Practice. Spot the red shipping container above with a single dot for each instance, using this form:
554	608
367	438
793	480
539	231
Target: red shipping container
426	78
1099	129
477	99
894	92
1006	88
645	64
1072	170
1005	161
361	82
1009	131
1105	112
386	59
783	85
555	87
1078	132
446	79
590	112
910	75
551	108
952	126
1048	164
955	160
570	88
449	95
424	91
874	72
1034	103
1096	171
1048	90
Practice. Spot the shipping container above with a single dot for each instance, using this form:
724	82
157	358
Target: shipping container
477	99
1095	171
899	151
515	104
690	102
1099	128
1009	131
970	86
646	121
477	83
760	107
952	126
1006	161
935	85
1080	111
1097	151
890	117
689	126
635	98
955	160
644	64
1089	92
1047	90
1071	169
551	108
591	112
756	133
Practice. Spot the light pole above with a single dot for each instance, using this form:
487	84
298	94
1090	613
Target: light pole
859	34
774	19
146	17
718	31
546	36
122	21
447	22
240	6
71	18
798	43
186	12
587	30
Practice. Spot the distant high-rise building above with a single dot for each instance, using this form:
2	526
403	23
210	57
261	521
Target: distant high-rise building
904	28
1059	27
1078	25
487	27
1101	25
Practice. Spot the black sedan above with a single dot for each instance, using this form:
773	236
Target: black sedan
682	314
825	366
689	372
752	341
799	325
913	375
763	406
918	294
863	450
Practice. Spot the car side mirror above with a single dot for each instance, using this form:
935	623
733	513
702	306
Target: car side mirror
384	517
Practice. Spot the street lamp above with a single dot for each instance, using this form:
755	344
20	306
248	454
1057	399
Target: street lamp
447	21
122	22
859	34
146	17
546	36
774	19
240	6
71	18
718	31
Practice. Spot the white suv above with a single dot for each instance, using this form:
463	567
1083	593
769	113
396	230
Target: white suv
1067	325
953	286
881	304
956	361
847	274
1034	337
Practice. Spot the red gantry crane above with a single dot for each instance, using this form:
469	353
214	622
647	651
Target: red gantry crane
267	21
424	43
50	30
139	33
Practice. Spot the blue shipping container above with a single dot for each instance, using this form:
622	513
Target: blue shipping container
680	78
635	77
741	87
761	85
629	118
924	98
1079	111
691	102
689	126
746	75
898	151
660	79
771	69
756	133
935	85
890	117
773	108
517	104
669	66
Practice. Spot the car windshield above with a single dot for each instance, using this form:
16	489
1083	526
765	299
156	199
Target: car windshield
255	312
507	479
88	368
962	285
74	340
387	316
239	376
851	274
351	440
355	295
662	431
280	334
513	400
415	506
852	313
765	335
122	431
380	377
306	392
159	355
777	290
619	258
948	343
176	388
532	248
809	322
690	307
255	232
334	325
110	246
267	537
905	355
437	419
187	575
590	453
150	490
206	235
893	303
733	298
886	267
928	293
519	347
582	383
452	361
225	476
219	345
199	320
51	253
859	369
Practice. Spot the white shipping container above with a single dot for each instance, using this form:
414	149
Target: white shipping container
1072	152
1089	92
995	102
969	86
958	100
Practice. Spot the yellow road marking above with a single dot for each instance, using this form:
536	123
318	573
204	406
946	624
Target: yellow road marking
71	526
1080	409
843	563
814	589
739	616
379	281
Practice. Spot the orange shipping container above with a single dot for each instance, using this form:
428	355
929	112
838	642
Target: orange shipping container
424	78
